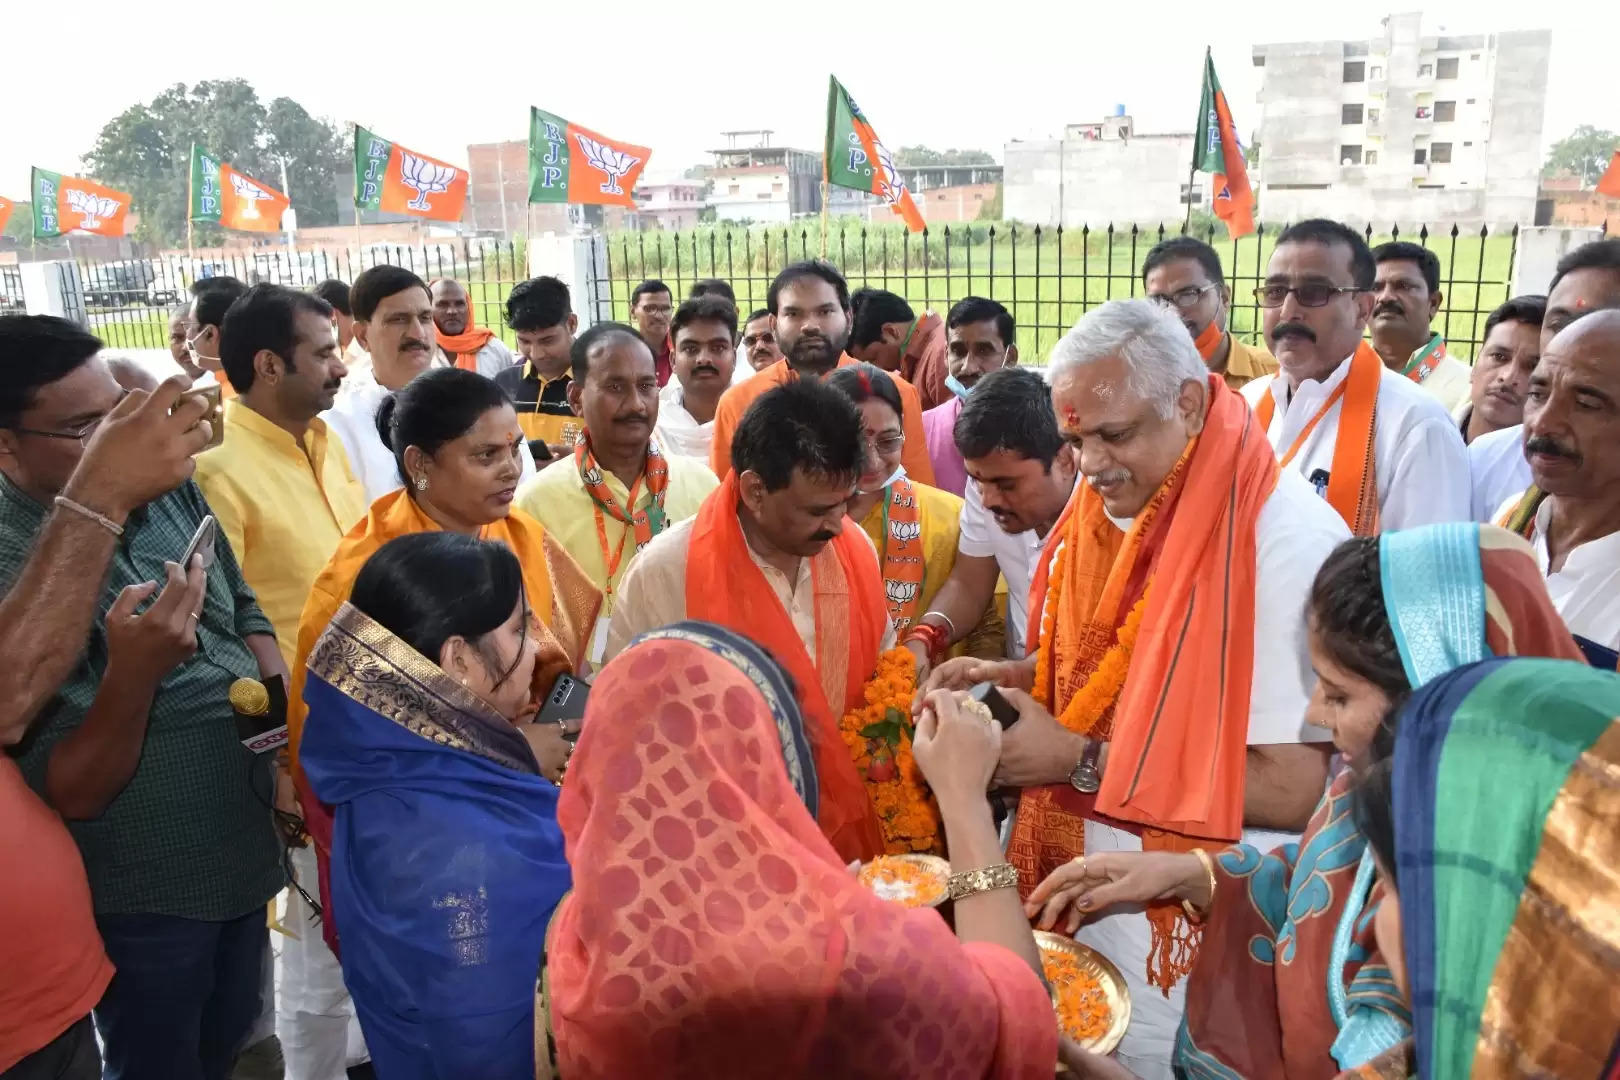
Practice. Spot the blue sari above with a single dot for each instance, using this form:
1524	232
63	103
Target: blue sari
447	859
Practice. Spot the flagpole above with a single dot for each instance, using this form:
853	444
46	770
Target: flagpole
824	190
1192	175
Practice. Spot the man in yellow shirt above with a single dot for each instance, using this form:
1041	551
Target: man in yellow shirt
619	490
281	487
1184	275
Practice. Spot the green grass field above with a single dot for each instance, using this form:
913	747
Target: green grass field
1046	278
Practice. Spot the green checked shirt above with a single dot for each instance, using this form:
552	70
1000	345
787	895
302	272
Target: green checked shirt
191	835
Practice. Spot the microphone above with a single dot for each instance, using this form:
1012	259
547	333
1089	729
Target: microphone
261	713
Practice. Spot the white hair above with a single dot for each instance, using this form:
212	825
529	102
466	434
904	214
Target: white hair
1158	352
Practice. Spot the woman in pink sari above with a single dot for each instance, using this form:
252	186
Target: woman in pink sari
713	932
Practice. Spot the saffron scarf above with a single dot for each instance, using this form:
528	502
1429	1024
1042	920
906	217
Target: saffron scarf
1507	836
1275	990
724	586
714	933
1352	487
904	561
446	856
463	348
647	521
1426	359
1179	724
1208	342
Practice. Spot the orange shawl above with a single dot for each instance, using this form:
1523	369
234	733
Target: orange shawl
1352	487
712	932
1179	727
725	587
562	597
463	348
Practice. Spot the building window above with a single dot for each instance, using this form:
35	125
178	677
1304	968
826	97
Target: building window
1420	156
776	187
1370	158
1425	70
1440	153
736	189
1423	112
1377	72
1349	154
1372	116
1355	71
1468	144
1350	114
1445	111
1447	68
1191	196
1470	101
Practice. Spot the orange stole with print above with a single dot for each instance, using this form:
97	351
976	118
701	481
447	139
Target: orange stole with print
903	562
725	587
1352	487
1179	726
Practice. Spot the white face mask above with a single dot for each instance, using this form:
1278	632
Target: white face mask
899	471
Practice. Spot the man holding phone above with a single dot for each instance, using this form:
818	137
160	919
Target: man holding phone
137	748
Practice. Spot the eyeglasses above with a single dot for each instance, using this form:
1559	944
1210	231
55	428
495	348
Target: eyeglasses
887	444
1309	294
82	435
1184	299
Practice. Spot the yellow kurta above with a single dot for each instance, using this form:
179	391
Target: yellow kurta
283	506
562	598
940	514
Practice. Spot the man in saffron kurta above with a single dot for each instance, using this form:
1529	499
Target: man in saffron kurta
772	556
810	301
1170	673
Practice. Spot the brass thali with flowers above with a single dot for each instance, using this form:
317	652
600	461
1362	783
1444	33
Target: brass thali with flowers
1088	992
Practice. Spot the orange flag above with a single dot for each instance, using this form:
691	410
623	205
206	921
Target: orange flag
64	204
1610	183
6	207
231	198
390	178
573	164
1217	151
856	159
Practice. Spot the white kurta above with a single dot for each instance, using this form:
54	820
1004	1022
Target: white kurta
1586	592
1497	470
1295	533
1422	464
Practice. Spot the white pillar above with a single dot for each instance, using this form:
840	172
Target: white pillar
53	288
580	261
1538	253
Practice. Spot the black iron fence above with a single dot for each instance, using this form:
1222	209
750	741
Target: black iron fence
1048	278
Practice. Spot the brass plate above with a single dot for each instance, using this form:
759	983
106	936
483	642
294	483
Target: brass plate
1113	986
933	864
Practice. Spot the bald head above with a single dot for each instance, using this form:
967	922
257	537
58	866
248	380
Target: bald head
130	375
1572	415
451	312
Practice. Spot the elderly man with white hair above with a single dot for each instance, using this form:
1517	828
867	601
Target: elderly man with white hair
1163	707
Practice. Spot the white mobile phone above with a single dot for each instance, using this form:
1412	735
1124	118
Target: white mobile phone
202	543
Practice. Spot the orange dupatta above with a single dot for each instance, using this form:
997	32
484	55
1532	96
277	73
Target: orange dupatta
1352	487
1179	727
463	347
725	587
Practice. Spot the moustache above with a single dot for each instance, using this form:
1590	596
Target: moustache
1389	307
710	368
1293	329
823	537
1112	476
811	343
1543	444
414	346
631	418
334	385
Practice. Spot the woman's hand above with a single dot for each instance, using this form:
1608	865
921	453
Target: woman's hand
966	672
956	750
551	750
1117	877
1089	1066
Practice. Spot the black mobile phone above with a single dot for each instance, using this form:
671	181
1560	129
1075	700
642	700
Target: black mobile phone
540	450
1000	708
565	703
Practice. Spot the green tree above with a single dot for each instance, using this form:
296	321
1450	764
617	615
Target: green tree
146	150
915	156
20	226
1585	153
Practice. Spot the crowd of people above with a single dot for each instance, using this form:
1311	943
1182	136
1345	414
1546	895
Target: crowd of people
1311	642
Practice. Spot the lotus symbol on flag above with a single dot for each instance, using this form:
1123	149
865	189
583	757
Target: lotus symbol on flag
427	177
93	208
250	193
890	188
610	160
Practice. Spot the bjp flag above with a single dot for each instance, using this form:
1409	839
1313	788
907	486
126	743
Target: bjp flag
64	204
6	207
856	159
1216	150
232	199
1609	184
571	164
394	180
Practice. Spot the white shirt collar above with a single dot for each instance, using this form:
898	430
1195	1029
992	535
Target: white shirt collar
1311	390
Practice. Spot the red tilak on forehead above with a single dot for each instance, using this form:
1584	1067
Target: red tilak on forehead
1579	304
1070	417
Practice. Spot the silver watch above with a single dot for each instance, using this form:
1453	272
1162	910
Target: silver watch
1084	777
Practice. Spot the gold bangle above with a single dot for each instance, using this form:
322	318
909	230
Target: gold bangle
984	879
1209	869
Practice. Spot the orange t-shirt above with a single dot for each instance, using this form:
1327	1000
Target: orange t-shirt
50	950
735	401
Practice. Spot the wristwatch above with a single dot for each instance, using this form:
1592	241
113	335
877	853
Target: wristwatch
1084	777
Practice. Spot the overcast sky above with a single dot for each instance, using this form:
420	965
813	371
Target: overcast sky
673	75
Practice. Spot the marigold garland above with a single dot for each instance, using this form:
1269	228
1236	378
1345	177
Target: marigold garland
1093	700
878	735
